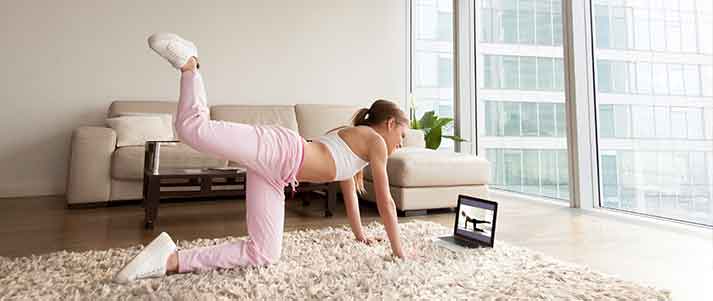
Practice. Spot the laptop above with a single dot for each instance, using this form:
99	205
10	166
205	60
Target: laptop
474	226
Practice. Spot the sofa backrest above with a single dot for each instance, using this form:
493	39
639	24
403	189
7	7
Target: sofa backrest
309	120
282	115
121	107
317	119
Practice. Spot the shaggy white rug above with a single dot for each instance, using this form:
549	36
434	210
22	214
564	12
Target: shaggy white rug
328	264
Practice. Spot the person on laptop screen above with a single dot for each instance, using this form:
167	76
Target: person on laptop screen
474	225
474	221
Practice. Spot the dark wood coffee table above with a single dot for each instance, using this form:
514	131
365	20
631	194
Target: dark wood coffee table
200	182
184	182
207	182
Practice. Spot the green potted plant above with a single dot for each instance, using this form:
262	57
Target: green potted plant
432	127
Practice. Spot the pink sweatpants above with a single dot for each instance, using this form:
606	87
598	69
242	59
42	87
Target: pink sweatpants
272	155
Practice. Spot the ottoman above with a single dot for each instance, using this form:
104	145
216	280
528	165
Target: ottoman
421	179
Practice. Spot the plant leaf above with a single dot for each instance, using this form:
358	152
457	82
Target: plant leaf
428	119
433	138
443	121
454	138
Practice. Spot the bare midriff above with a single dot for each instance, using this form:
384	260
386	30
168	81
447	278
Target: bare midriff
317	165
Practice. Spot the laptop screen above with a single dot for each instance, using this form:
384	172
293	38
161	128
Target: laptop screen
476	219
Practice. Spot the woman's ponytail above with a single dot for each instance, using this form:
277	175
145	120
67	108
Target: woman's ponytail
361	117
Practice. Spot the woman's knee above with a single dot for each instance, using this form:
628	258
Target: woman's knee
267	254
188	130
271	255
273	258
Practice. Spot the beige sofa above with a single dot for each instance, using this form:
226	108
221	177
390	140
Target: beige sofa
99	172
421	178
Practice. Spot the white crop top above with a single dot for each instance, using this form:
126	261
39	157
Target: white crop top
345	160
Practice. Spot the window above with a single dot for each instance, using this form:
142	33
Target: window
604	76
545	70
643	118
509	20
689	39
619	28
513	169
543	22
520	76
529	119
620	77
643	78
695	123
692	80
658	40
652	143
445	72
559	74
531	176
673	30
526	21
652	107
547	119
560	120
641	29
663	122
512	118
606	121
621	121
660	79
528	73
675	79
601	14
432	66
707	77
610	181
511	72
445	25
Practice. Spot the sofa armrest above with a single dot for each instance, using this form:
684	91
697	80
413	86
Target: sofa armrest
89	178
414	138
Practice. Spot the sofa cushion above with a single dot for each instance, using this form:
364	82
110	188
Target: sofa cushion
422	167
316	119
128	162
256	115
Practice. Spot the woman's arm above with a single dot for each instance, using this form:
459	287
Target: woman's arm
352	205
387	210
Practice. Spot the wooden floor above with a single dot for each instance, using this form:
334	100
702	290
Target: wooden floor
678	258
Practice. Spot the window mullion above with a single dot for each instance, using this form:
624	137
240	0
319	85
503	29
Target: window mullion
579	104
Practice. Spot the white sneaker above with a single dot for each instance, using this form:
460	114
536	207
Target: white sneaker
173	48
150	262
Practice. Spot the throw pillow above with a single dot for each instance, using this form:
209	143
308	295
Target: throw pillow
136	130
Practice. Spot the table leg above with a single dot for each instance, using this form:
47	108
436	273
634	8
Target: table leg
151	201
331	199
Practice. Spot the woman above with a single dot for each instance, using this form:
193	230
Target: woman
275	157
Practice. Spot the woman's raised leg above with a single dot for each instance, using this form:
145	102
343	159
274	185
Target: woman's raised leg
232	141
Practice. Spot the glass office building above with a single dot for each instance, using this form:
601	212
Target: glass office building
653	88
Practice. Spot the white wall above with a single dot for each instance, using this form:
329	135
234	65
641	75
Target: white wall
65	61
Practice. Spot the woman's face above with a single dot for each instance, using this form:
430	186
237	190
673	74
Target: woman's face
394	135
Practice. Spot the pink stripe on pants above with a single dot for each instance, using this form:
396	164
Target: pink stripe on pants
272	155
